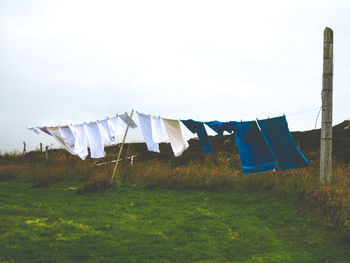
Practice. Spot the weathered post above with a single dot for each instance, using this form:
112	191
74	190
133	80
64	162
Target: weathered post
47	152
41	147
327	98
24	148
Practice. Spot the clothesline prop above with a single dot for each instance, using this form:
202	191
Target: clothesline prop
131	158
131	124
263	145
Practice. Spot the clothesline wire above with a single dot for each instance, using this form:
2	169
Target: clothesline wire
300	112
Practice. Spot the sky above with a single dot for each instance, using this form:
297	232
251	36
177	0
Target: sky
65	62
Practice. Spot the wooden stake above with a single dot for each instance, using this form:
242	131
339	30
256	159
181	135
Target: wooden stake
327	101
24	148
121	147
47	152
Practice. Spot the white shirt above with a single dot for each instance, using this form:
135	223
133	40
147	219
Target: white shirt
95	140
178	143
146	127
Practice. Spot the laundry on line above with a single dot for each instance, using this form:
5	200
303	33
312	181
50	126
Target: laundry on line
263	145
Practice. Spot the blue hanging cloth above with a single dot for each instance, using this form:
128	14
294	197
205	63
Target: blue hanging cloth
219	127
255	155
281	143
198	127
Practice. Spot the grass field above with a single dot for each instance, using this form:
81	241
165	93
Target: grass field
136	224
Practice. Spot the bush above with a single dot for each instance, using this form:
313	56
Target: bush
97	182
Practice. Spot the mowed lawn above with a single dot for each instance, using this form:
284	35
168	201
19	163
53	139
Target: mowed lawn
133	224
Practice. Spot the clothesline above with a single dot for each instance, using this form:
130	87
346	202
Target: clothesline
261	143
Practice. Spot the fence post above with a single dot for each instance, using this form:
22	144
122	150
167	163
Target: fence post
24	148
41	147
327	101
47	152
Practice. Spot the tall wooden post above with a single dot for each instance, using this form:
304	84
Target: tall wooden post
327	101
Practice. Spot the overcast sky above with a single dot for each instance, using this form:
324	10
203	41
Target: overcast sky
72	61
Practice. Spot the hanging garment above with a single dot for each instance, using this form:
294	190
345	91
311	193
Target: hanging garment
55	132
198	127
94	140
34	129
156	129
125	117
219	127
45	129
146	128
281	143
255	154
178	143
67	135
80	140
113	127
105	132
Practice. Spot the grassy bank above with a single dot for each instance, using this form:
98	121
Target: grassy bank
136	224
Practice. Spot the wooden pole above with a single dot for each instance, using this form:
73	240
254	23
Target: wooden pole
327	101
121	147
41	147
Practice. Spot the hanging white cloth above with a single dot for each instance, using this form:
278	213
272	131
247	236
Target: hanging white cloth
146	128
125	117
80	140
178	143
55	132
105	132
34	129
156	129
113	124
67	135
45	129
95	140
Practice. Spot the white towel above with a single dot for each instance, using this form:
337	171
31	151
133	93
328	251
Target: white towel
156	129
95	140
125	117
80	140
105	132
146	127
55	132
67	135
113	124
178	143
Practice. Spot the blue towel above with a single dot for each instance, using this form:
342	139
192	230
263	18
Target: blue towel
281	143
198	127
219	127
255	155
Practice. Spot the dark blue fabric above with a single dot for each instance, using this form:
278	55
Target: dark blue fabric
219	127
198	127
255	154
281	143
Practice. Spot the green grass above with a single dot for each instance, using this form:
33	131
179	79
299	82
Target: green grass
134	224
